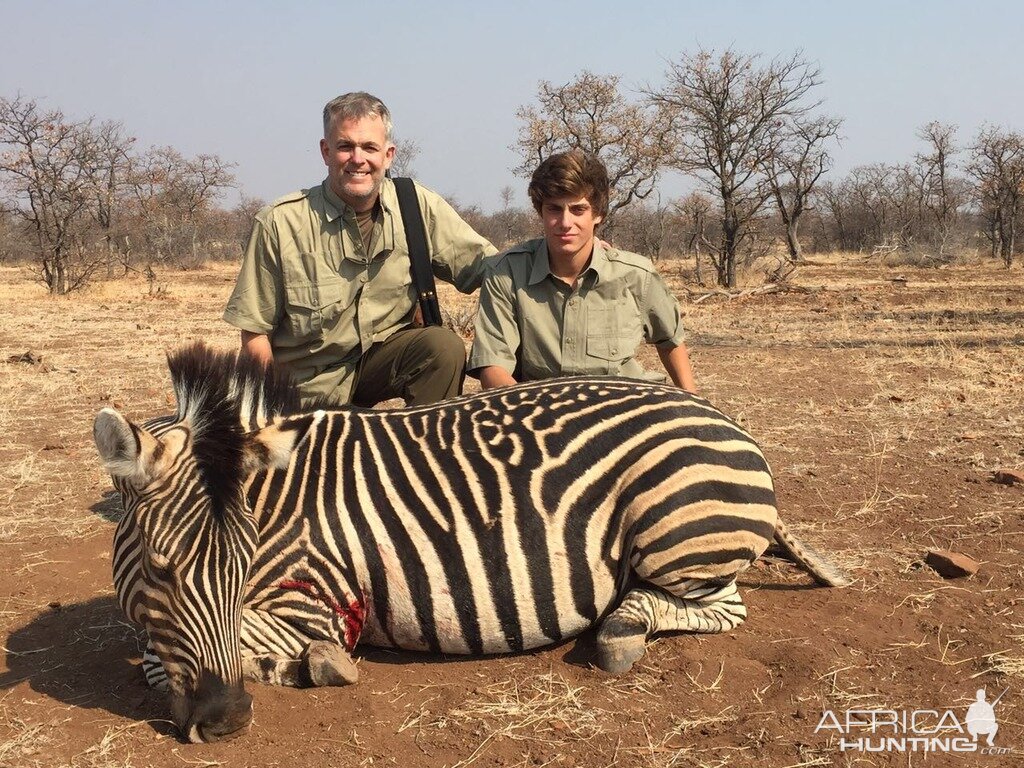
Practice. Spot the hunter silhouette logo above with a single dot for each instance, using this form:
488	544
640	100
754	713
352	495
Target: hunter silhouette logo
917	730
981	717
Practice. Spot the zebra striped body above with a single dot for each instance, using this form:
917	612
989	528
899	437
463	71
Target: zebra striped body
491	523
500	521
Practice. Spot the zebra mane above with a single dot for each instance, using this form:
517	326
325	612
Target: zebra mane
222	396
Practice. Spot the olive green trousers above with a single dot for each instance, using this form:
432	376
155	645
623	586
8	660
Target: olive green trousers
419	365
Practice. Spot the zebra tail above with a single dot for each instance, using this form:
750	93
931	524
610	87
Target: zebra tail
823	572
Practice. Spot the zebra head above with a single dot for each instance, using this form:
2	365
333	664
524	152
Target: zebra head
184	548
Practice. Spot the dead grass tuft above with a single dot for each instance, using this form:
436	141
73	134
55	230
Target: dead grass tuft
679	746
1003	664
545	708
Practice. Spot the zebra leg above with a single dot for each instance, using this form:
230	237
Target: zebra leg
153	670
704	607
275	652
321	663
326	663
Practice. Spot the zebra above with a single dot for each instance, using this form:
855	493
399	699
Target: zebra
261	541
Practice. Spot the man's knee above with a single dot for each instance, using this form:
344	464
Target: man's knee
442	349
436	365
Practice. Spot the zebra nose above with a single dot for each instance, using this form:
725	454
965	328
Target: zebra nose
220	723
215	711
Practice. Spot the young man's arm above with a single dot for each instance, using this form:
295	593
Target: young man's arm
677	364
494	376
664	327
496	340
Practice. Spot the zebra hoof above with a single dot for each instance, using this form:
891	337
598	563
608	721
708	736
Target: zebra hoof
327	663
619	655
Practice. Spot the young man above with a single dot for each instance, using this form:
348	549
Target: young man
564	305
325	288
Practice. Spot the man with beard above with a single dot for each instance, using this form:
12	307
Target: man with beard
325	288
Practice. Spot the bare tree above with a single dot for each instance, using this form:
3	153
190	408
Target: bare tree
591	113
832	200
406	152
52	173
173	193
944	194
724	111
242	216
797	161
695	209
649	228
511	224
114	170
14	245
997	166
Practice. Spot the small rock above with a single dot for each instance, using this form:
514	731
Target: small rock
29	357
55	605
1008	477
951	565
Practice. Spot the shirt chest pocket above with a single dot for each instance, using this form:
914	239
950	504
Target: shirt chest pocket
613	331
313	308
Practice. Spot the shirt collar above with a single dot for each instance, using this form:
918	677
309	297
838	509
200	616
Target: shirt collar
542	268
335	207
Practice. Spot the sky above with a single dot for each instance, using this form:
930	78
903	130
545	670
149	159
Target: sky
248	81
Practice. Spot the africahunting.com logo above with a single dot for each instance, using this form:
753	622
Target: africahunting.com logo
917	730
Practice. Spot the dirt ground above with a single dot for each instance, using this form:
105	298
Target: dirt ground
885	407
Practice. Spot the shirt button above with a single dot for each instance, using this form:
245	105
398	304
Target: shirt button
362	278
568	339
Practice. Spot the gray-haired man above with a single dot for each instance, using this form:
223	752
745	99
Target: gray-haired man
325	287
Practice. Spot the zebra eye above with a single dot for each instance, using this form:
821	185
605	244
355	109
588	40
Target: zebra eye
160	566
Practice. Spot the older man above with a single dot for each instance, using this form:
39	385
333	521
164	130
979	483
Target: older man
325	287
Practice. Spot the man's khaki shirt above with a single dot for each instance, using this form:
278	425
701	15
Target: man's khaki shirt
307	281
536	326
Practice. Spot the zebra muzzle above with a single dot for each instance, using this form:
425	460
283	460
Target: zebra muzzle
217	713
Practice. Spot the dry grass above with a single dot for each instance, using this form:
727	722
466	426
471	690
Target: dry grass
35	739
545	708
883	408
1004	664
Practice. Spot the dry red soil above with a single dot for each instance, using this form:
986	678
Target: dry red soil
884	408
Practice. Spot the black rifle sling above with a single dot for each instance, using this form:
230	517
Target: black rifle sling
419	255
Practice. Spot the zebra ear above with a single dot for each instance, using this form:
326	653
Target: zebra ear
272	447
127	452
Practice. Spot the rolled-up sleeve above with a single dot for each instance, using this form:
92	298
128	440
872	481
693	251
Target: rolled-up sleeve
497	337
257	302
662	318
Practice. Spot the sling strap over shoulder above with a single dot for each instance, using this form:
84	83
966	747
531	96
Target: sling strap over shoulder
419	254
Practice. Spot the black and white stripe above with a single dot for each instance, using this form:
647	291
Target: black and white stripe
491	523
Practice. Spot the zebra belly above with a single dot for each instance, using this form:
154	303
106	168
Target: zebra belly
535	621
